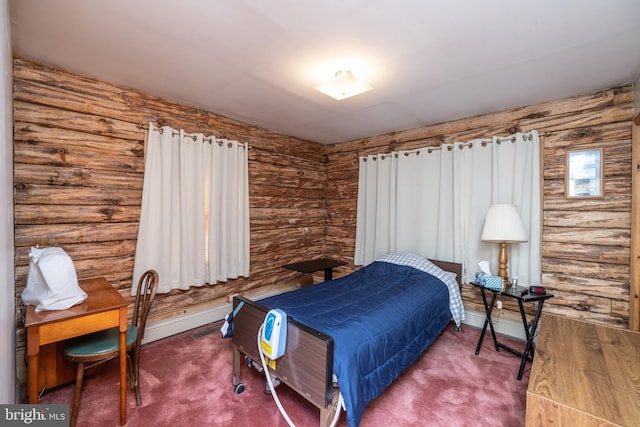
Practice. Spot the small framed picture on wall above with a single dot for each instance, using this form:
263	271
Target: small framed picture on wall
584	177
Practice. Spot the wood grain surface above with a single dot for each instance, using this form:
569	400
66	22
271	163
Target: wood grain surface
584	374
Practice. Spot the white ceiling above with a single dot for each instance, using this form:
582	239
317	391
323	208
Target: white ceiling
429	61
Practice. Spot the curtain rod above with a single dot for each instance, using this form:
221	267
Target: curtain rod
546	133
485	141
194	137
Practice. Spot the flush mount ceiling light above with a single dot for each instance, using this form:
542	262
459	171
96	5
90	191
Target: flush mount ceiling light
344	85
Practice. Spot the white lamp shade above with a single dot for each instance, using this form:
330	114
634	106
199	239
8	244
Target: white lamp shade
503	224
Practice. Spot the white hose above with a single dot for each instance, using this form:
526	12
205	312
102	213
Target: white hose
337	414
268	376
275	395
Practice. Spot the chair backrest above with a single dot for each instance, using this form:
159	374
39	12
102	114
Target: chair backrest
146	292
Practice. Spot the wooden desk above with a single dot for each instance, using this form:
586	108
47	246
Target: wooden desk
104	308
584	375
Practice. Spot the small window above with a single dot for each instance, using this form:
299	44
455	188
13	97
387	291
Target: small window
584	174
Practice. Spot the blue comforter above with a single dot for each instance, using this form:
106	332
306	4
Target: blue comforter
381	318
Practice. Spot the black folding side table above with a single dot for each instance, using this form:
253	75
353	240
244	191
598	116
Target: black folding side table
311	266
515	292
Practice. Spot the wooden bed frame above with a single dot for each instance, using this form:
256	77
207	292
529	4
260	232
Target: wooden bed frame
307	365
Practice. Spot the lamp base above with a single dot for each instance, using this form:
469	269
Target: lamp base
502	266
506	284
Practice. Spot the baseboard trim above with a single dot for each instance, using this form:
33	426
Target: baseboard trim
176	325
502	325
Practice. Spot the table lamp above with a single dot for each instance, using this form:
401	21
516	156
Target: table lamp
503	225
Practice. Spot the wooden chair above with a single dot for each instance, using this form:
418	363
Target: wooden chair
97	348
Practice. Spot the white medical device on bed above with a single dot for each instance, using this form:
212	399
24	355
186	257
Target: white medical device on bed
274	334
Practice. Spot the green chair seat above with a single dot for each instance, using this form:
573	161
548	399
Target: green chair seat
100	343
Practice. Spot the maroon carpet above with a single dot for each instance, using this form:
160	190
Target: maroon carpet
186	380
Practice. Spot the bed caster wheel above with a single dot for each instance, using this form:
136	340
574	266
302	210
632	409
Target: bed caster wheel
238	388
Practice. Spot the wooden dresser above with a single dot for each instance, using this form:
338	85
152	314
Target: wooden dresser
584	374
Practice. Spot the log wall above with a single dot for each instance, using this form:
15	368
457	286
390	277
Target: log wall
78	172
78	169
585	242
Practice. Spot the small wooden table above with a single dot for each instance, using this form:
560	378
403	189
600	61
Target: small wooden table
104	308
518	293
307	267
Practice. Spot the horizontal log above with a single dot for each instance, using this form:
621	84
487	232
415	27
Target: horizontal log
343	205
77	176
260	156
343	221
87	142
276	203
581	302
103	266
610	201
279	213
587	252
60	156
261	192
54	117
70	214
336	192
587	286
286	218
28	194
600	236
343	167
341	218
61	234
272	241
286	177
588	135
591	219
78	251
347	232
595	270
283	145
593	117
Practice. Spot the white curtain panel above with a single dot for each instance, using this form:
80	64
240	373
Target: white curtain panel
425	203
517	181
228	213
177	196
442	196
376	212
472	198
